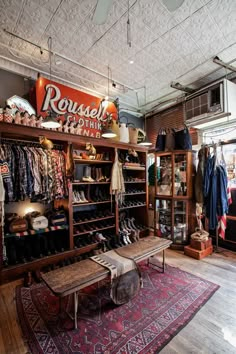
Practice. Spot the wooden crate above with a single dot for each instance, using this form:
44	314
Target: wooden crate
201	245
197	254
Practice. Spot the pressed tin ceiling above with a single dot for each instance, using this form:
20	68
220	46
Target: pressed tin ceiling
165	46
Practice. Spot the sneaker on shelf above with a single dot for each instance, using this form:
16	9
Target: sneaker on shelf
99	237
87	179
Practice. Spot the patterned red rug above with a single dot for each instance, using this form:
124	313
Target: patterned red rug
165	304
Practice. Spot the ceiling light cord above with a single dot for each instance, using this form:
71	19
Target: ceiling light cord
128	29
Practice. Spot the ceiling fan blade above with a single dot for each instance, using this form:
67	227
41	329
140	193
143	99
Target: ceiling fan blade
172	5
101	12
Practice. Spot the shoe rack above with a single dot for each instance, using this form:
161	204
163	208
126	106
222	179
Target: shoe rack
91	208
135	201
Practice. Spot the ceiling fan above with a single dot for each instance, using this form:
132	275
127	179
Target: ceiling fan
101	11
103	7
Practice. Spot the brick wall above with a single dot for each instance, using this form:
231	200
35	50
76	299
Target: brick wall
170	118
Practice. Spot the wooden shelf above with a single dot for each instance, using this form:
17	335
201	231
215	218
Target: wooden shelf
134	168
230	217
93	220
135	181
37	232
91	162
97	230
88	183
90	203
9	130
135	193
132	206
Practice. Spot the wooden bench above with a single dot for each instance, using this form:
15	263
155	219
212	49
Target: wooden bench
72	278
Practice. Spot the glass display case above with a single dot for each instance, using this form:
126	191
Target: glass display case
180	227
180	174
174	204
163	218
171	220
164	175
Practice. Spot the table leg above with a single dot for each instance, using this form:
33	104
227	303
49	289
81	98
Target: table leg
163	261
75	307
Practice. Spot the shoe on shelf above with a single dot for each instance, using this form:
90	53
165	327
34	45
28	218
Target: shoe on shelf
82	197
99	237
87	179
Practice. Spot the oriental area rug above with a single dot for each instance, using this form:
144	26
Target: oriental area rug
165	304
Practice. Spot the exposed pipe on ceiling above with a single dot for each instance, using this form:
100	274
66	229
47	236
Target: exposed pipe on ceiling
220	62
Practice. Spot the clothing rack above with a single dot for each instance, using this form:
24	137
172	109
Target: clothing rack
215	145
28	143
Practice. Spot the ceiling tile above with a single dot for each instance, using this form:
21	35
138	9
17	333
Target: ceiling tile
224	14
203	31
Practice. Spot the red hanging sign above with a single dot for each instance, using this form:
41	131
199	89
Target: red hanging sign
73	107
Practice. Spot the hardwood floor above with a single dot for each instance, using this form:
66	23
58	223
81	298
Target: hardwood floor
212	330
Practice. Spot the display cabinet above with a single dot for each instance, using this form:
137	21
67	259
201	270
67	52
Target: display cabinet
174	212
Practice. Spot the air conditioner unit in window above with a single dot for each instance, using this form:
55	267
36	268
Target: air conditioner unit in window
211	106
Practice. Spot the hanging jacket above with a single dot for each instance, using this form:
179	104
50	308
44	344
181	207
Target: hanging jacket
200	177
209	192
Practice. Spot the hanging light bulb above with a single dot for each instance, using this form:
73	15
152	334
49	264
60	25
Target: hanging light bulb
145	142
107	131
50	121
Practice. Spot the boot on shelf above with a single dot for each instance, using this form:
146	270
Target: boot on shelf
87	174
99	175
82	197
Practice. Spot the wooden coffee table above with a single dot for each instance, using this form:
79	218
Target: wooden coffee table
72	278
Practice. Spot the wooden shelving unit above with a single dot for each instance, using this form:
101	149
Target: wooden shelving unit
26	133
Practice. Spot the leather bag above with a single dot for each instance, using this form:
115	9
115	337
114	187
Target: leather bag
183	139
170	140
125	287
18	224
133	133
160	140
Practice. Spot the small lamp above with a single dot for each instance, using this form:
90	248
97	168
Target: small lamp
107	131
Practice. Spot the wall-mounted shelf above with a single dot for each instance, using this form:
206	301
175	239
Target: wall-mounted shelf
93	220
96	230
34	232
91	162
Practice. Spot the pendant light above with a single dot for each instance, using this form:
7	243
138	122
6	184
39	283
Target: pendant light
107	131
145	142
50	121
